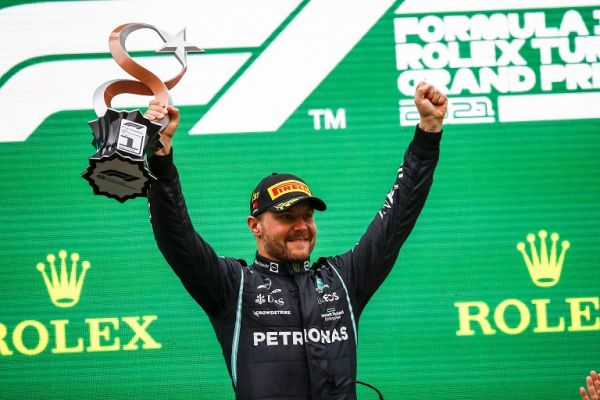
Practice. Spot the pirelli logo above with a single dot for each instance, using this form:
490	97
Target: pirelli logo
284	187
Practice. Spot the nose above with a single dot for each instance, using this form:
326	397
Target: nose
300	224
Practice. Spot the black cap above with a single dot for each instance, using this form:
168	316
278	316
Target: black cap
278	192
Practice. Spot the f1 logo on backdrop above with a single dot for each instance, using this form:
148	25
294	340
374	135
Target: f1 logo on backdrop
264	57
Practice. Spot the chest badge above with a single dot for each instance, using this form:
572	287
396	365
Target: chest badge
266	295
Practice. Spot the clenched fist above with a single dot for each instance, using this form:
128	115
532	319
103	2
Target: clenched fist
432	105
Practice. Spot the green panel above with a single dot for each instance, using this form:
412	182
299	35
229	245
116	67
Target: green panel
496	183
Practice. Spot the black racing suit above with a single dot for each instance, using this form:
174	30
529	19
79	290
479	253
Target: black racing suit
289	330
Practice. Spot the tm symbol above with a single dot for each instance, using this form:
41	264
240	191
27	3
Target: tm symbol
328	119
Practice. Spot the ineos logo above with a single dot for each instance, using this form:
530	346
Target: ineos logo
328	297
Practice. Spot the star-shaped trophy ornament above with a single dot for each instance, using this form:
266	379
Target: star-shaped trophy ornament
177	45
125	139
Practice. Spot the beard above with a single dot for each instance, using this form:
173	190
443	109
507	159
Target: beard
280	250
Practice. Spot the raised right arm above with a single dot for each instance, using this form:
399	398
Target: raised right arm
208	278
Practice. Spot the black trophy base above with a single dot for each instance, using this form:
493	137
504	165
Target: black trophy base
118	177
123	140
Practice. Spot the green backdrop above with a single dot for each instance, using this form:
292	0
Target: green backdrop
459	317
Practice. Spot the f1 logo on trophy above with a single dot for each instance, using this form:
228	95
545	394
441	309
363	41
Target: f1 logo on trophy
125	139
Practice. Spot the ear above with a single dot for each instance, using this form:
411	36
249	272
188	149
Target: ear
254	225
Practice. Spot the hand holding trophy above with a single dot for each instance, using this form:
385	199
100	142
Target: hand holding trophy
125	139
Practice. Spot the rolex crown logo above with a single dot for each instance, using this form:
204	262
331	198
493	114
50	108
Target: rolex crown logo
544	268
64	287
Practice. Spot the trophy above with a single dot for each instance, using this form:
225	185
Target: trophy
125	139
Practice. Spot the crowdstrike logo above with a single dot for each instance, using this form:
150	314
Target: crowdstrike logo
255	74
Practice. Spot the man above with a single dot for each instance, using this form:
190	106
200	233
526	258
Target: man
288	328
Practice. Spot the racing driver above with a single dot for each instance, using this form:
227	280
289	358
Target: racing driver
288	327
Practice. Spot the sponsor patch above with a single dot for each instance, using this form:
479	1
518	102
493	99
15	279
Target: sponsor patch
332	314
298	338
259	313
288	186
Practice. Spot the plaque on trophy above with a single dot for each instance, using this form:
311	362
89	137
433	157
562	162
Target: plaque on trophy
125	139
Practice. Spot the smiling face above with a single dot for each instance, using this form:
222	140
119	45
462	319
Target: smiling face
286	236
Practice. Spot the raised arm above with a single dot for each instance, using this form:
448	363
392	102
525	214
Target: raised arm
372	258
208	278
